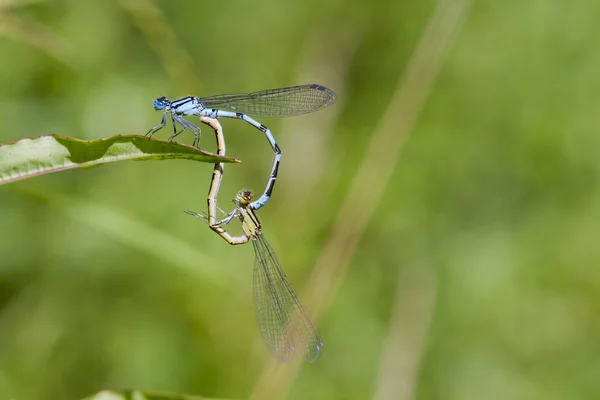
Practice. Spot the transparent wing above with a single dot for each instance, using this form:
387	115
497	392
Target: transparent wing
284	324
283	102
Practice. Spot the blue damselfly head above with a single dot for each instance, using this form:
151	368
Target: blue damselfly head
160	103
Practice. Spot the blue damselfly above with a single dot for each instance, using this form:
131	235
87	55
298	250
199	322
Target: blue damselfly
283	102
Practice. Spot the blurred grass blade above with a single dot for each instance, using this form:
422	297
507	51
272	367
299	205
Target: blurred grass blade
409	325
8	4
374	173
132	231
31	157
36	35
161	38
141	395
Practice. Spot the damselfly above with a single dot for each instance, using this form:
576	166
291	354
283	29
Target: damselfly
284	324
283	102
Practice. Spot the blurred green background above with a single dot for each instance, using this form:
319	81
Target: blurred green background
484	247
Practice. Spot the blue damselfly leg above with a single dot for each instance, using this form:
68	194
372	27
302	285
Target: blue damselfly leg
283	102
284	324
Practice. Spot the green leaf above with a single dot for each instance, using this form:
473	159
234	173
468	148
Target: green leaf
31	157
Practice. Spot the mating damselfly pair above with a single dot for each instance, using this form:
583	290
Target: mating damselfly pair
282	102
285	326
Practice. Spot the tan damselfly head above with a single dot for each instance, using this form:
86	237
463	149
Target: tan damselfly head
243	198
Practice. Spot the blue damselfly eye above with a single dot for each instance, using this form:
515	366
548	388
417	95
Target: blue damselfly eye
160	103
